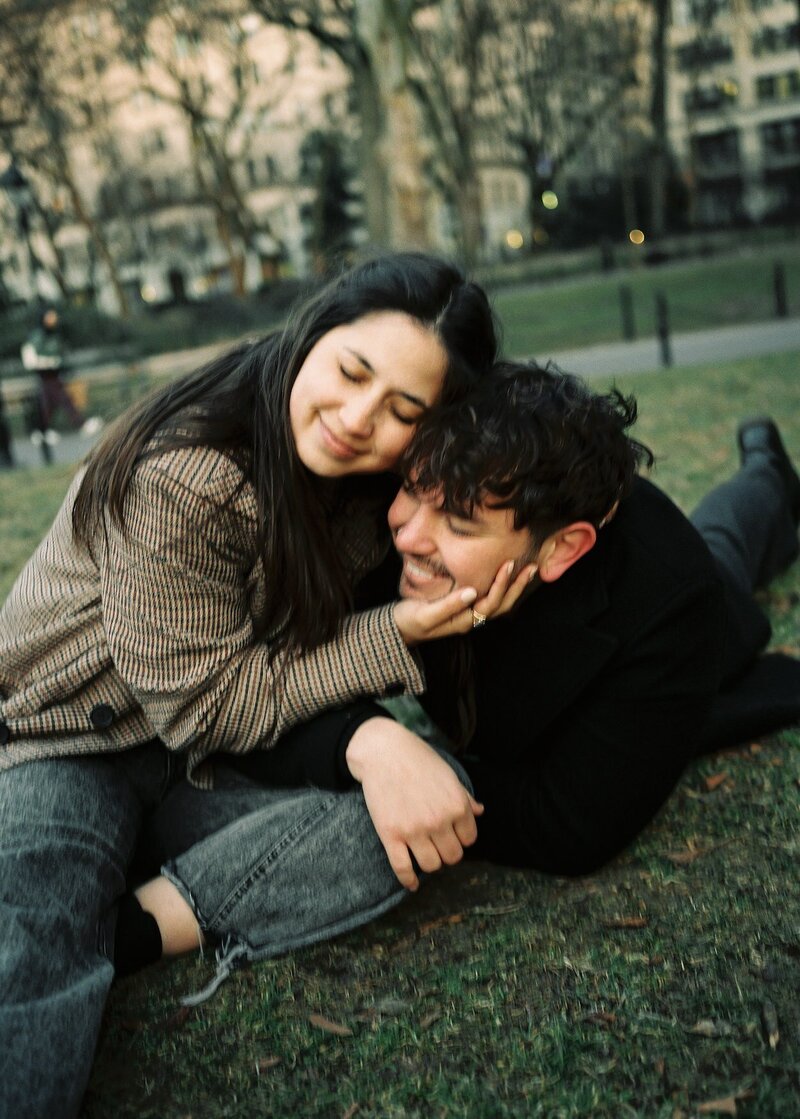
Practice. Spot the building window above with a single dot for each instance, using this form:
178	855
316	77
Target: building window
717	151
773	40
153	143
704	52
781	137
703	11
778	87
710	98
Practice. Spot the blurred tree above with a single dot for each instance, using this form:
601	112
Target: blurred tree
448	76
197	59
330	216
659	146
559	72
373	40
49	64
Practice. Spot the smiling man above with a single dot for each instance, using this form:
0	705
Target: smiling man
635	647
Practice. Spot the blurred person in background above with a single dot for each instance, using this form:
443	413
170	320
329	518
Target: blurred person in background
43	352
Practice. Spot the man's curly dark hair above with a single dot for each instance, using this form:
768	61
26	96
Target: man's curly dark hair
534	440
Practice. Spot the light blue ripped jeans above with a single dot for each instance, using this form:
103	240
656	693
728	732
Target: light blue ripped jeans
265	870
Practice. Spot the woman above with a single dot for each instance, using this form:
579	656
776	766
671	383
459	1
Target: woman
192	599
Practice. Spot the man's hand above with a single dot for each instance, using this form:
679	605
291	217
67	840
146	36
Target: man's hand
418	620
417	804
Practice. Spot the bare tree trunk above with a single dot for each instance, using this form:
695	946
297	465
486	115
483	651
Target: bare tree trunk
390	125
98	239
374	49
659	160
372	163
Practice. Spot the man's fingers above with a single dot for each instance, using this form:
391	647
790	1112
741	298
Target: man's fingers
426	856
450	847
401	864
466	830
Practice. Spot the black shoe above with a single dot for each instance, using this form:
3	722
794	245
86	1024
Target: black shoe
760	436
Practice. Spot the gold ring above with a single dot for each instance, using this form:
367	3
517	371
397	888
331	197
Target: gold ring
478	619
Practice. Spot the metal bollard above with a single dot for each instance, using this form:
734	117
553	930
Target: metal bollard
662	328
779	287
626	310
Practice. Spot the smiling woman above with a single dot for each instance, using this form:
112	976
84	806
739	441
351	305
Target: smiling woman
360	392
193	599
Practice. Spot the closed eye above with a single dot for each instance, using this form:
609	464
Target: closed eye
459	530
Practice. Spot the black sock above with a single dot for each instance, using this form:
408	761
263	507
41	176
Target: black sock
137	942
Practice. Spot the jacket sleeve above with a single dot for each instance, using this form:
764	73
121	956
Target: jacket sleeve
569	803
177	591
313	753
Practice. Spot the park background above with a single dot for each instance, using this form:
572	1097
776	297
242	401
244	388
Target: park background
624	177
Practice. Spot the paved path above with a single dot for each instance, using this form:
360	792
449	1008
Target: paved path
71	448
694	348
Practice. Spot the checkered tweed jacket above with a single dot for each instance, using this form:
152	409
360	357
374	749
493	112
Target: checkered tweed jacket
150	632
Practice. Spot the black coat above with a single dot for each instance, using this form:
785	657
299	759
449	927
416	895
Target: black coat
591	696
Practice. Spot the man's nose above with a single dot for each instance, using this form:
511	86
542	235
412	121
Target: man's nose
413	535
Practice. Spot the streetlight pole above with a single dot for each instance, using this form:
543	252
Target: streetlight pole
16	186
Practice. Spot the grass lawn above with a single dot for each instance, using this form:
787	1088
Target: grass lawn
648	990
701	295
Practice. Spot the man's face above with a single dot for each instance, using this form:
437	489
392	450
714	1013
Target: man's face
441	552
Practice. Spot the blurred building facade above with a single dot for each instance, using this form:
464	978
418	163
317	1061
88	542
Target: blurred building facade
734	108
193	171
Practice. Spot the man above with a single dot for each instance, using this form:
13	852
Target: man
635	649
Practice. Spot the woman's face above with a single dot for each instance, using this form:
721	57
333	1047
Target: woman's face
361	391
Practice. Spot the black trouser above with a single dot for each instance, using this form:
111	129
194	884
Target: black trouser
748	525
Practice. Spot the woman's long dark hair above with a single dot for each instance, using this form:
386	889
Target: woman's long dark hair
239	405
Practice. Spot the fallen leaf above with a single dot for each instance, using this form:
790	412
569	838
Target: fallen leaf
429	1019
715	780
602	1018
403	944
708	1027
726	1106
352	1109
692	852
440	922
323	1023
756	747
264	1064
687	857
626	923
495	910
769	1020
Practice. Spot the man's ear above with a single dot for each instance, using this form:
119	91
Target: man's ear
565	547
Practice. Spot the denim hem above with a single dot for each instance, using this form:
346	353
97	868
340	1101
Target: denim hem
235	951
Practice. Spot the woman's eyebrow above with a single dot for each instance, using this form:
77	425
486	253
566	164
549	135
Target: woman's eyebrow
370	368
